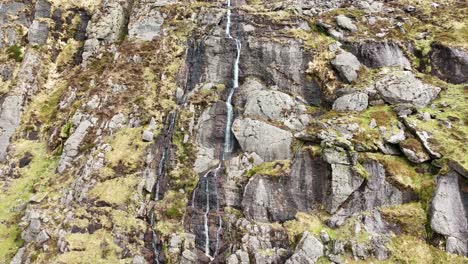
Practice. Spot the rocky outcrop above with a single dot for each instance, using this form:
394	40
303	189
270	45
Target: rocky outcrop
449	212
308	250
351	102
146	20
379	54
275	106
13	103
402	87
449	64
107	26
280	197
347	66
38	33
269	142
376	192
264	200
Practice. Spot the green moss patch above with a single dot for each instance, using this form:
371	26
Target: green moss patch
117	191
128	149
98	247
279	168
33	178
408	249
410	217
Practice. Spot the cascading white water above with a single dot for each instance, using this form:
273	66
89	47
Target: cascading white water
227	148
235	84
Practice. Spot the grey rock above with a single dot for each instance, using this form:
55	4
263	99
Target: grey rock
42	9
449	64
402	87
351	102
347	66
240	257
377	192
72	145
335	156
138	260
148	136
264	200
188	257
379	54
359	250
42	237
38	33
324	236
278	107
338	247
18	258
448	210
146	20
308	250
249	86
10	114
345	22
415	156
269	142
107	26
344	182
456	246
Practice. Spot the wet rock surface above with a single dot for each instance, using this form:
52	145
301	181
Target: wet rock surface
293	131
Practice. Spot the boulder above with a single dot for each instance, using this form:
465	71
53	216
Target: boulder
277	107
42	9
376	192
379	54
449	64
146	20
10	113
344	182
308	250
38	33
347	66
351	102
449	208
345	22
269	142
265	200
72	145
401	87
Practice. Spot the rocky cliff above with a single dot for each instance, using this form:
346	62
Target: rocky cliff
237	131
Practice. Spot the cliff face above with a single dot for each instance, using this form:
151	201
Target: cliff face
242	131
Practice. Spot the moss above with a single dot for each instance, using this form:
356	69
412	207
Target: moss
407	249
127	149
98	247
451	107
401	171
316	223
170	213
14	52
66	56
277	168
116	191
125	221
410	217
33	178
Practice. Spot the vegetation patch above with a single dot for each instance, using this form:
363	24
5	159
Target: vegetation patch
408	249
411	217
32	178
98	247
279	168
128	149
116	191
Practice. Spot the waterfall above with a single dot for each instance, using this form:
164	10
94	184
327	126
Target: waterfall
212	174
235	84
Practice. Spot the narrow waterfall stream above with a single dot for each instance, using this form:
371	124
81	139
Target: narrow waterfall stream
209	182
